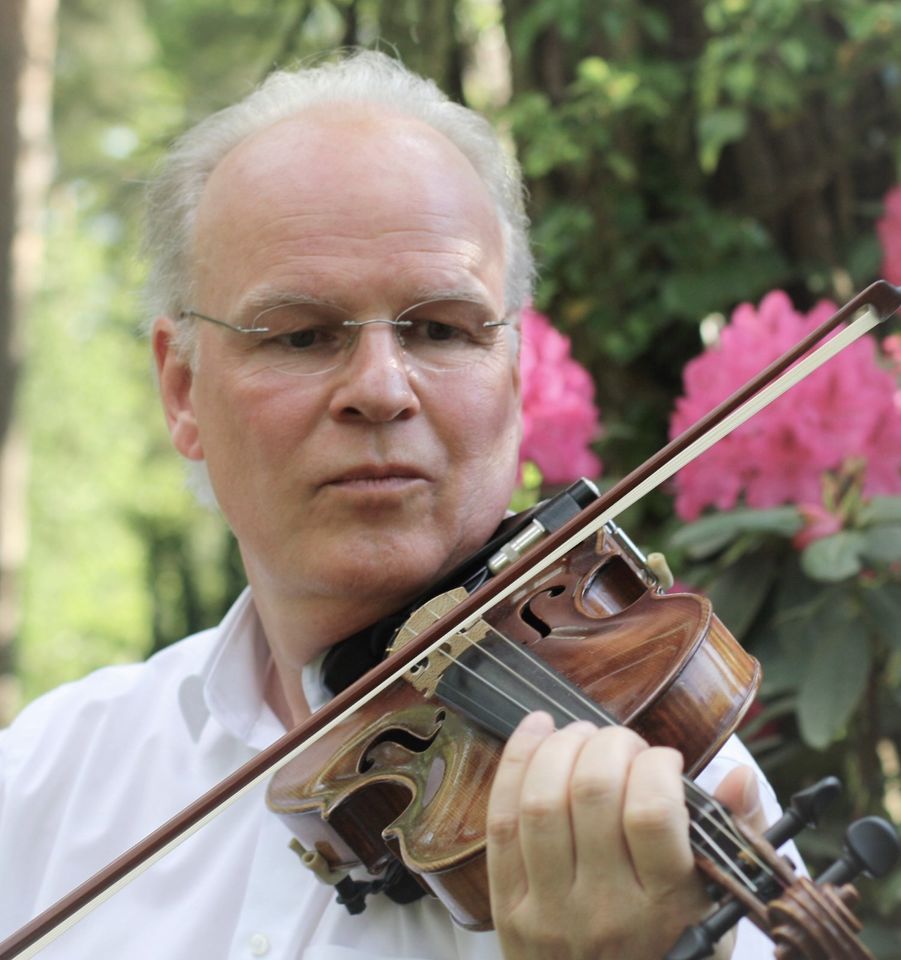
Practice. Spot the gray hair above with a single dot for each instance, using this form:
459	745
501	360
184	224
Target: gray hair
363	77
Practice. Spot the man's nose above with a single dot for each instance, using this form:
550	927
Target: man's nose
375	382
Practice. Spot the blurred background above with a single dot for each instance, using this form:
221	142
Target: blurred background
682	158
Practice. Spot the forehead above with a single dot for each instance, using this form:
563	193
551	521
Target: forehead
351	195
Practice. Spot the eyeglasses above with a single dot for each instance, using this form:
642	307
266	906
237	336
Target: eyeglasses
305	339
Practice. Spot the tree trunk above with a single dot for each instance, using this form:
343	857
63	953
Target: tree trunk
424	32
27	49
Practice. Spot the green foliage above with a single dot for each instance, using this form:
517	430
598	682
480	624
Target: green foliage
834	558
825	620
831	689
835	600
680	158
712	533
675	163
104	478
846	553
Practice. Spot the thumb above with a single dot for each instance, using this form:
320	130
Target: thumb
740	793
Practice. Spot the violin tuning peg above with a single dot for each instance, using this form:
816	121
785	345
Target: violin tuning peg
694	944
804	810
871	847
810	803
875	843
698	942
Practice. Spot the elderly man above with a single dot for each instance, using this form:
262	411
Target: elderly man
338	265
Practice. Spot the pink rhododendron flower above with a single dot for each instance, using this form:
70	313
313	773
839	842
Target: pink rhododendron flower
845	411
889	229
892	347
818	523
560	418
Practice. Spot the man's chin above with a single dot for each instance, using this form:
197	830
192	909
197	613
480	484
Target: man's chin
381	576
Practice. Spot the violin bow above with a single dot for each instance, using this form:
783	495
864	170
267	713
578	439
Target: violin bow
872	306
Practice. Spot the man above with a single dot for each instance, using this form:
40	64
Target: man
359	445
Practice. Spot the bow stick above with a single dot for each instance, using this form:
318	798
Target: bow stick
872	306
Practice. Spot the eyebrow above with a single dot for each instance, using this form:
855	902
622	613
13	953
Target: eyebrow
263	299
267	298
448	293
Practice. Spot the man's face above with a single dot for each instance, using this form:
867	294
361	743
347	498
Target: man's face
370	479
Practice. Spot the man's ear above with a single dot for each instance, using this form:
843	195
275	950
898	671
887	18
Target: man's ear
175	380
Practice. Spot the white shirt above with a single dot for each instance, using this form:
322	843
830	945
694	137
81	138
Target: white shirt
91	768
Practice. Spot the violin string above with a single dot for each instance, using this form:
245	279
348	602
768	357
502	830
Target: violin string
716	812
524	709
590	705
704	805
708	845
697	799
722	822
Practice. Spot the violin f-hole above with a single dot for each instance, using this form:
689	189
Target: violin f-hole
394	739
529	616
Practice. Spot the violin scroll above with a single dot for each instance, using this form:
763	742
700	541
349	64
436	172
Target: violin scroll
805	920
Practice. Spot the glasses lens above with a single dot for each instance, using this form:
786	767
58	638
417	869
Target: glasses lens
305	339
446	334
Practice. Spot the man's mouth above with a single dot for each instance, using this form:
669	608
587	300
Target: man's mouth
383	476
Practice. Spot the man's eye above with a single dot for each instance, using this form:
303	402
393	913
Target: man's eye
300	339
424	331
435	330
307	338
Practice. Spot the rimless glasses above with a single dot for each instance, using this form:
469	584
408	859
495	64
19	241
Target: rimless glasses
305	338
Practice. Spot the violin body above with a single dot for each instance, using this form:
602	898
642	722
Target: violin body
409	776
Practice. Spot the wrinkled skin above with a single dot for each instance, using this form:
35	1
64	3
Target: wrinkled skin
350	492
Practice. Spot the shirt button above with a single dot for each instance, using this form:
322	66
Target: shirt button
259	944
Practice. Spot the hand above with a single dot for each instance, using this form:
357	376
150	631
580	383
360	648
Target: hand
588	852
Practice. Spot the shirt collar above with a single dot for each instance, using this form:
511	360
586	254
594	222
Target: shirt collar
233	679
230	685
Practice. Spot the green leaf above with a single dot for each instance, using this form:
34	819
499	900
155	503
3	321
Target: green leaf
883	610
882	544
716	130
710	534
655	24
622	166
739	593
796	599
740	79
794	54
834	558
835	677
780	640
881	510
595	70
614	23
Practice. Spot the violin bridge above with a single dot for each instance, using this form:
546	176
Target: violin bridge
426	673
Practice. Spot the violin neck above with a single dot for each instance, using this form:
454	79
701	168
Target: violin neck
496	683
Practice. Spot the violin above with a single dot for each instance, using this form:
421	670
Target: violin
568	617
593	637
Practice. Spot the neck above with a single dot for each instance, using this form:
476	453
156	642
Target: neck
300	627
